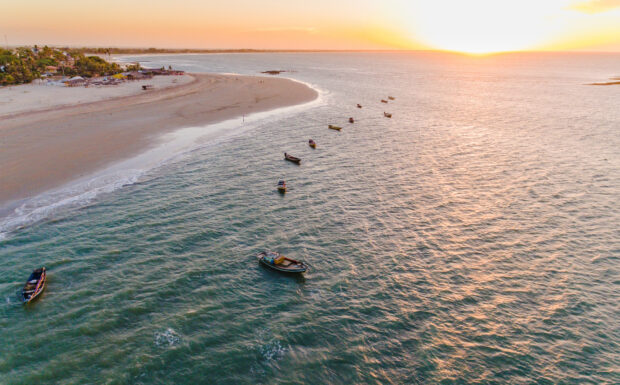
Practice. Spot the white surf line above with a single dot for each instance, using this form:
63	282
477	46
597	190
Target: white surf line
172	146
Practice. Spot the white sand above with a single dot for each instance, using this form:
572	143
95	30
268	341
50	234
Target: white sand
39	96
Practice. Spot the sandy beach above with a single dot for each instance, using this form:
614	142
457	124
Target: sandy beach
46	141
38	95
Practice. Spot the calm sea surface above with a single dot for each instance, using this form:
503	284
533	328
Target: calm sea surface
472	238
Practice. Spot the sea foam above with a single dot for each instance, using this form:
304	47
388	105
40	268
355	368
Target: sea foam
170	147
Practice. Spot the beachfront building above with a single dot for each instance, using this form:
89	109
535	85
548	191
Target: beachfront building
75	81
69	61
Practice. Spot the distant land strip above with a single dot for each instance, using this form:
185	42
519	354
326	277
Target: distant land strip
614	81
138	51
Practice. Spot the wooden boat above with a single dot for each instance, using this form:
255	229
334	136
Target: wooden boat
383	101
359	105
279	262
351	120
331	126
292	158
387	115
312	143
34	286
282	186
391	97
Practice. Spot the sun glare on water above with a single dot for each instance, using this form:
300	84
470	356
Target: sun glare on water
483	26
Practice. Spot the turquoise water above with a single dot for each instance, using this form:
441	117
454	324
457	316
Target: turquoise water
472	238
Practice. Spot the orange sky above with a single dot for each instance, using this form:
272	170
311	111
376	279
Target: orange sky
476	26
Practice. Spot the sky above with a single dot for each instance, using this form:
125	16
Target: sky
471	26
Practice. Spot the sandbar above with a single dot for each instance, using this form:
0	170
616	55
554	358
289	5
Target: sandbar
43	147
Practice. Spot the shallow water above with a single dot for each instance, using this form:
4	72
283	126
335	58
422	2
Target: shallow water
472	238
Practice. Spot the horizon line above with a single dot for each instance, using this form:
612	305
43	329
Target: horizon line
156	50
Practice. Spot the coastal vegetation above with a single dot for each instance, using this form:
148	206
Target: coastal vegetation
24	64
146	51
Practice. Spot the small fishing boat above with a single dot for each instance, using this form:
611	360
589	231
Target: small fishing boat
282	186
359	105
351	120
331	126
312	143
34	286
391	97
279	262
383	101
292	158
387	114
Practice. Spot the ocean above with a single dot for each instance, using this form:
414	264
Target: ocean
473	238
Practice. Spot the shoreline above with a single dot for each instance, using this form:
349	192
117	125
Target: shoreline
46	149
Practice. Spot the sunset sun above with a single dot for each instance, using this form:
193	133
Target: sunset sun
482	26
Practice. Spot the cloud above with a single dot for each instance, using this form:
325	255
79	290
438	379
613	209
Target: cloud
595	6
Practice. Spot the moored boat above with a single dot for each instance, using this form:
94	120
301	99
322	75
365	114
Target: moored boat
383	101
292	158
312	143
351	120
391	97
282	186
337	128
359	105
279	262
34	286
387	115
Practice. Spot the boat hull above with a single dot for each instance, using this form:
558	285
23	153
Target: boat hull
292	158
36	295
32	291
299	267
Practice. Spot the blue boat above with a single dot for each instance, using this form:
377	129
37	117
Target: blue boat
282	186
34	286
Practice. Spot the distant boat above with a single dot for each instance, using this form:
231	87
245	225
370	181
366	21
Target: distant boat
312	143
282	186
331	126
279	262
34	286
351	120
359	105
292	158
391	97
387	115
383	101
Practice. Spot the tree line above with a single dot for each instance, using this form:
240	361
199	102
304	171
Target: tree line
24	64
